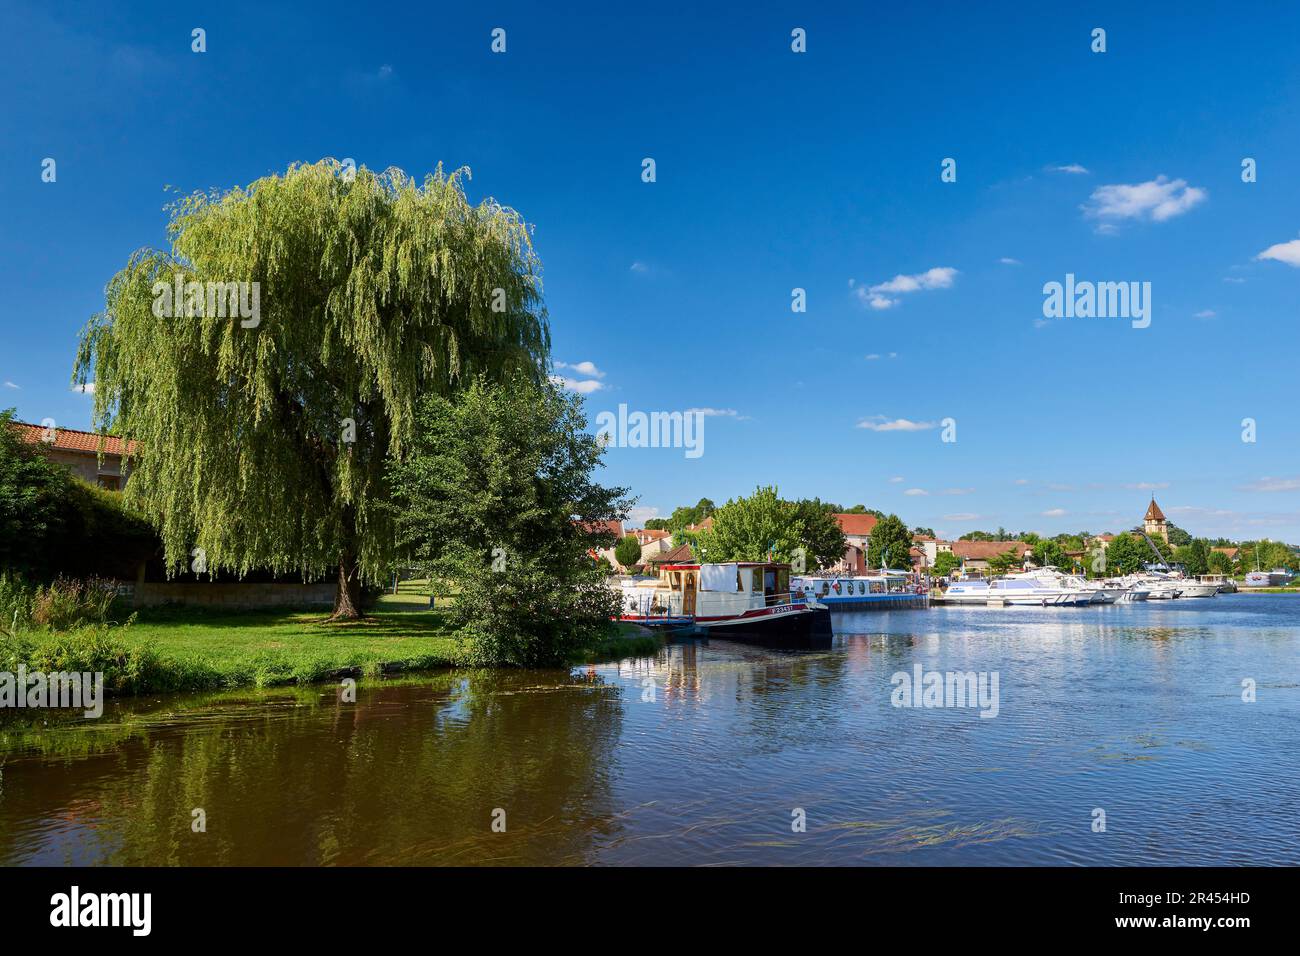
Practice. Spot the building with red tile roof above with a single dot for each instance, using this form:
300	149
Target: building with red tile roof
976	554
857	530
94	458
1154	523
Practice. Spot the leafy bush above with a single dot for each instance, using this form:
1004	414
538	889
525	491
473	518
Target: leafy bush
69	603
53	523
628	551
496	500
64	604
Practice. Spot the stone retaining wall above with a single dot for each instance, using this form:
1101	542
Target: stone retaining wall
236	595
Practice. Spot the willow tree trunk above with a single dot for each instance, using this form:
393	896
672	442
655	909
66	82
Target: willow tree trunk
347	594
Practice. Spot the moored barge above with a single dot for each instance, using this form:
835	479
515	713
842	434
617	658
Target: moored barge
748	601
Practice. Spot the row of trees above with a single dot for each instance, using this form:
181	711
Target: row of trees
766	526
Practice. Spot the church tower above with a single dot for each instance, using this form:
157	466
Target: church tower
1154	524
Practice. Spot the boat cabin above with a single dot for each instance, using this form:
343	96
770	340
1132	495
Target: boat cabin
689	591
824	587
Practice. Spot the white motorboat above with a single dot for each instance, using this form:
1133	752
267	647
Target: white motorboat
1222	583
969	592
1122	593
1070	589
1161	587
1198	589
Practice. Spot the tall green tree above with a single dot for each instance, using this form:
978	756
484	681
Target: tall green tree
1126	554
1193	557
1048	552
263	441
1218	563
32	491
890	544
496	501
945	562
820	534
628	551
1004	562
766	526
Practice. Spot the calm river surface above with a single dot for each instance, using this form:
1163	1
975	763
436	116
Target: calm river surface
703	755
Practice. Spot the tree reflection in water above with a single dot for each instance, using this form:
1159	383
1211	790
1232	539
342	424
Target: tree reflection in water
409	774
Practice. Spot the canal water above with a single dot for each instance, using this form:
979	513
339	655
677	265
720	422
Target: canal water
707	754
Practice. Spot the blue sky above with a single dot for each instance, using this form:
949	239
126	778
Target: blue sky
775	170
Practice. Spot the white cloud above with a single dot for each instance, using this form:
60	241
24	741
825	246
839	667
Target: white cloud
1288	252
1205	314
1147	485
916	492
1233	279
896	480
718	412
1022	481
1008	261
87	389
640	514
878	296
1273	484
1155	200
962	516
582	368
878	423
581	386
12	385
639	267
1072	168
957	491
939	277
1055	513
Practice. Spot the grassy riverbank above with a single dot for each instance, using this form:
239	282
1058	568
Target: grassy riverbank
193	649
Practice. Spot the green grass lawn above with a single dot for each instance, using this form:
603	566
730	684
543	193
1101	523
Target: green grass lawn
186	648
222	648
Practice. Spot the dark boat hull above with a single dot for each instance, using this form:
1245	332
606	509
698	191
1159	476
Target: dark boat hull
807	628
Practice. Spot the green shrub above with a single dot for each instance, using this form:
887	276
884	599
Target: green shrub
53	523
64	604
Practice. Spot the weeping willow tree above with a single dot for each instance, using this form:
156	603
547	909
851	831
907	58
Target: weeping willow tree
270	363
